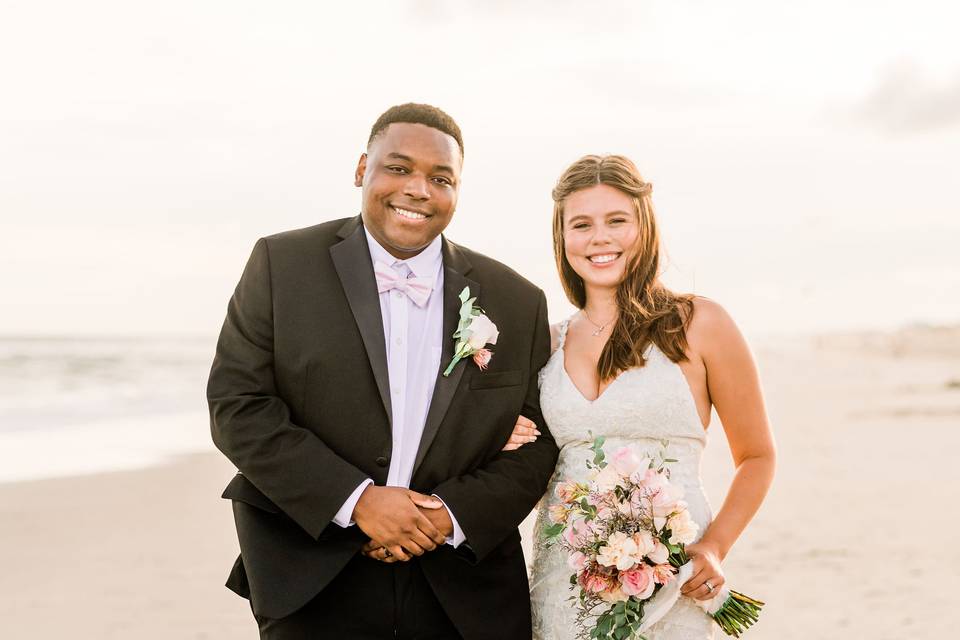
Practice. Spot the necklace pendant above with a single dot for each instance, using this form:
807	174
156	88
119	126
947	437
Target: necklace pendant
597	332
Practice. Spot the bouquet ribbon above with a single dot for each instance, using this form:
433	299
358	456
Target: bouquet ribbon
667	596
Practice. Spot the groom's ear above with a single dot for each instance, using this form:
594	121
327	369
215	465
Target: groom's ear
361	169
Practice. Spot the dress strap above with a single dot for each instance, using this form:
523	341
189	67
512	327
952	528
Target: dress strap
562	332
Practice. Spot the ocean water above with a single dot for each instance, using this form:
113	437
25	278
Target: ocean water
85	405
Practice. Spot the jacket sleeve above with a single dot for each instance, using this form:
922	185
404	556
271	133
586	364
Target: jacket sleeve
493	500
251	424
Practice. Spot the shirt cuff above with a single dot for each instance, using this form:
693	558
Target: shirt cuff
456	538
344	516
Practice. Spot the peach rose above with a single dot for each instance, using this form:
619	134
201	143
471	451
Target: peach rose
660	553
607	479
644	543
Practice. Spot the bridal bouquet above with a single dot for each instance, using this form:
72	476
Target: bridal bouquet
625	531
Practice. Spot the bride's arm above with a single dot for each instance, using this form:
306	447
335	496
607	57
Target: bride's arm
734	388
524	431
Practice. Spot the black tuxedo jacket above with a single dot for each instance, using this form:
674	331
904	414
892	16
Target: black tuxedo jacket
299	402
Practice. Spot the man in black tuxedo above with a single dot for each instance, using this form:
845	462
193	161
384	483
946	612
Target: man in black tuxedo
327	394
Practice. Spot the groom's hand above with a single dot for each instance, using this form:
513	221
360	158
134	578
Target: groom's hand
440	518
438	515
391	516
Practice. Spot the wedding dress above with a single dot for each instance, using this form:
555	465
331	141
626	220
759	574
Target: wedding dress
645	407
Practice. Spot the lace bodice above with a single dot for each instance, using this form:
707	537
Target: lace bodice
649	407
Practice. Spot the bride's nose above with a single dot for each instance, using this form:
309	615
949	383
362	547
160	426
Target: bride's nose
601	236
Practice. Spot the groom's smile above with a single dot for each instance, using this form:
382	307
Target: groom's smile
410	176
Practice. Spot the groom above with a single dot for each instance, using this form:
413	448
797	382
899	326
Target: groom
326	392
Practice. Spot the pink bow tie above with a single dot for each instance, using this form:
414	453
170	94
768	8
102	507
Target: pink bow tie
417	289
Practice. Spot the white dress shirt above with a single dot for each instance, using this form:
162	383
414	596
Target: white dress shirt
414	340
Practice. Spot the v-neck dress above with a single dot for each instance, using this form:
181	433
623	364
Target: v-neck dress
650	408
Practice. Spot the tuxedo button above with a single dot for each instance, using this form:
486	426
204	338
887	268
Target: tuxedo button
383	461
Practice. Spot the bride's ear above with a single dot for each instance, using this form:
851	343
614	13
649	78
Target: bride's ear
361	170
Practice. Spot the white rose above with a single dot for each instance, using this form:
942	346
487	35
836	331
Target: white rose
482	332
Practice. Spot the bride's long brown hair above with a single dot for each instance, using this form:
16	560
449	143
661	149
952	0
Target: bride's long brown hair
647	311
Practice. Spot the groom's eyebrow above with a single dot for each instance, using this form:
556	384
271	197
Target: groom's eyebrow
437	167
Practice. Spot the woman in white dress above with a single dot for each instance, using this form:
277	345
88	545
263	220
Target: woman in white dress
644	366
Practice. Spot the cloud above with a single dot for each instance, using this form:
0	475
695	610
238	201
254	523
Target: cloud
906	101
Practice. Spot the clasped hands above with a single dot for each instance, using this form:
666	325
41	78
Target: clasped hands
400	523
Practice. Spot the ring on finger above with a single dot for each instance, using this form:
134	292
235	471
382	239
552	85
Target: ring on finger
709	586
386	553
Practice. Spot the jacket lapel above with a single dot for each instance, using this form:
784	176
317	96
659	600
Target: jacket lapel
351	257
455	268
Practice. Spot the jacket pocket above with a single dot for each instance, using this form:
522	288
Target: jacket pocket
499	379
242	490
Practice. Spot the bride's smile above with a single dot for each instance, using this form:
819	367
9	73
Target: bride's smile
600	231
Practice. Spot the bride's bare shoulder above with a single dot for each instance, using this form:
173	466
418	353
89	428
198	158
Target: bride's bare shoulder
711	325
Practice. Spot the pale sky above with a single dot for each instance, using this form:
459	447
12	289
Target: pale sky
803	155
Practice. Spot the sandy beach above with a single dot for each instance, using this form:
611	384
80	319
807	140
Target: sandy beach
853	542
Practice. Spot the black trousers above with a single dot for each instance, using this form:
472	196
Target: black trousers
368	600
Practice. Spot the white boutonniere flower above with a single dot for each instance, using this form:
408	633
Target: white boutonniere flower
474	332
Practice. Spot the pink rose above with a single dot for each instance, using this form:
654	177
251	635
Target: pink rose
638	582
653	480
482	358
577	533
577	561
626	461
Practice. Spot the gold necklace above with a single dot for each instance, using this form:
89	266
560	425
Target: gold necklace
600	327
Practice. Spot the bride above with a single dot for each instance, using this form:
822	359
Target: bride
641	365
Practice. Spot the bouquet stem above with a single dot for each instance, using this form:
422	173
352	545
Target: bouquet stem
737	613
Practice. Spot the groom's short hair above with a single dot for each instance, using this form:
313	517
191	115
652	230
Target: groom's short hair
414	113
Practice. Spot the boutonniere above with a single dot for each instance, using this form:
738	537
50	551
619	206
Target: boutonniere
474	332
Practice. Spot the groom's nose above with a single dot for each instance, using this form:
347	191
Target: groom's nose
416	187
